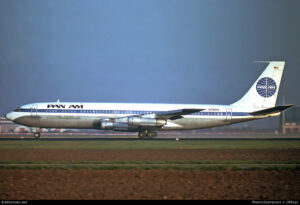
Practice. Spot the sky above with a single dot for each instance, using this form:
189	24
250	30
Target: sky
144	51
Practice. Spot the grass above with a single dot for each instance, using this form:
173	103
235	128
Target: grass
163	167
182	162
153	144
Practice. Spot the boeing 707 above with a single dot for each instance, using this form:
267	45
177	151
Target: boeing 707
147	119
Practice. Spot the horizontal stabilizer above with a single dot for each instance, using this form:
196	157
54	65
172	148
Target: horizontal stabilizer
272	110
175	114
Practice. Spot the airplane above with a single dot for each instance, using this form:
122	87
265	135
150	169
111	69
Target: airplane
147	119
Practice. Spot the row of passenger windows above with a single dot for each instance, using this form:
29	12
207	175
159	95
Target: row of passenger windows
110	111
97	111
208	113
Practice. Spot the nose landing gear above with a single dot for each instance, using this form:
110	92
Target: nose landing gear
37	135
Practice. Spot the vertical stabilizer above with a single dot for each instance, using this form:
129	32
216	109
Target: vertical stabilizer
264	91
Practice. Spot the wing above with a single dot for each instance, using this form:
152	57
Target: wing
157	119
174	114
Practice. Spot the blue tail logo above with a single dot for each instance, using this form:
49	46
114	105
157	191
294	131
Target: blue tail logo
266	87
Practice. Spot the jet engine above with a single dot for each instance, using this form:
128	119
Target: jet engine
107	125
149	122
130	123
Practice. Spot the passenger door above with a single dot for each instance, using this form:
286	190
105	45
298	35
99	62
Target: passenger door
228	113
34	110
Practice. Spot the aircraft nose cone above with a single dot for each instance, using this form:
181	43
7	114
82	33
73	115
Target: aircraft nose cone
9	116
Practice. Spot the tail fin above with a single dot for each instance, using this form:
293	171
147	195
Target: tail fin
264	91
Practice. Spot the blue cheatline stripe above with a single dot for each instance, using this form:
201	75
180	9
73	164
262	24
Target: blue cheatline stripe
141	112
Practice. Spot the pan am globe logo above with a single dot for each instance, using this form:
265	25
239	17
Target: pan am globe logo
266	87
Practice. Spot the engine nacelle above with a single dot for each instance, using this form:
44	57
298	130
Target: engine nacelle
149	122
107	125
130	123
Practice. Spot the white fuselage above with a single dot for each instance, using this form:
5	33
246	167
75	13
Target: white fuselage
88	115
259	102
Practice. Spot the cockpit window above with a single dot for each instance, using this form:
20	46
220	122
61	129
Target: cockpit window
18	110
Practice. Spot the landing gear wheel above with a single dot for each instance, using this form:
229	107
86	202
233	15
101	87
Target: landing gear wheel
150	135
146	134
154	134
36	135
142	135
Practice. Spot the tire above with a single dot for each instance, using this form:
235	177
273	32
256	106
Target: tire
36	135
142	135
150	135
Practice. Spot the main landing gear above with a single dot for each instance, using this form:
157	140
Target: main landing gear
146	134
